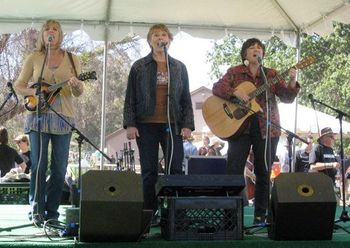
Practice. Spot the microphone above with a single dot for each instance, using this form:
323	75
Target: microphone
259	59
12	91
50	38
9	85
311	97
162	44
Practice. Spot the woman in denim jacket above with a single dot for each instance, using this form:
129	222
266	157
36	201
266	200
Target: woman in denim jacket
158	110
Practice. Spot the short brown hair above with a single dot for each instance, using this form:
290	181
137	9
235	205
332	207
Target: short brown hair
248	43
160	26
4	137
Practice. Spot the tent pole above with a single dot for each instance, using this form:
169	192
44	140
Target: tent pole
104	82
298	55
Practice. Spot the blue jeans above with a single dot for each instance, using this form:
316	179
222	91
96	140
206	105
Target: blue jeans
151	136
237	154
45	196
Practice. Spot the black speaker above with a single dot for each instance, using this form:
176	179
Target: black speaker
302	207
111	206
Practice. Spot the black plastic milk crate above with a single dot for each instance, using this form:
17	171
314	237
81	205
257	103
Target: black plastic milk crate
14	193
202	218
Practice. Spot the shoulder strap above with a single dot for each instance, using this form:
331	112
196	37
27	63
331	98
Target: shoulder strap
70	56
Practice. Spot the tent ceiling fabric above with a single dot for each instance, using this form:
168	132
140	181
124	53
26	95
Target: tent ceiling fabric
200	18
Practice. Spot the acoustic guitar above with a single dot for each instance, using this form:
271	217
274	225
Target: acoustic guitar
226	118
50	92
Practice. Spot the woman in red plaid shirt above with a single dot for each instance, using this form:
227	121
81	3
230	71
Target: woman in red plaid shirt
253	131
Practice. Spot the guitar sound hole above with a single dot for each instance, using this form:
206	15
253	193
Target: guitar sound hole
239	113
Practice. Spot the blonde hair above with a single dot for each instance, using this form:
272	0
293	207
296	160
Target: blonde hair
162	27
40	43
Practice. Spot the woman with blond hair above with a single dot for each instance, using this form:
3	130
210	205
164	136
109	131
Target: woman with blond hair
50	64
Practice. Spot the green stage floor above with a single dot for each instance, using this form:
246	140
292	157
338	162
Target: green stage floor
16	215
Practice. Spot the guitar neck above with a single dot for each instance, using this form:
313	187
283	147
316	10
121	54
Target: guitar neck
57	86
270	82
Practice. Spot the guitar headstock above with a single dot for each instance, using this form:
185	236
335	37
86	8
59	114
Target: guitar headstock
305	62
87	75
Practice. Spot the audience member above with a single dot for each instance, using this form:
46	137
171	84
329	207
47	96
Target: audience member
215	149
203	150
189	148
23	145
8	155
302	157
322	157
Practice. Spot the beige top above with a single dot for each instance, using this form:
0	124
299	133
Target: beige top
31	71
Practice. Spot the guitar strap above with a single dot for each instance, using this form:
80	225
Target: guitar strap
70	56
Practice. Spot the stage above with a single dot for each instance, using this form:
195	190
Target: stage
16	215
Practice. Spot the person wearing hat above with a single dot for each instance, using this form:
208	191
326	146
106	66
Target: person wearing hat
322	157
8	155
23	145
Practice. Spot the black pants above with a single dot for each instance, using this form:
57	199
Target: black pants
151	136
237	154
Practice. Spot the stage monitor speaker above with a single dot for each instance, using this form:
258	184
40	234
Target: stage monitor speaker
111	206
302	207
210	165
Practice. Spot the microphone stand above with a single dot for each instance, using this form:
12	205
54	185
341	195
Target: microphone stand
268	127
170	138
81	137
37	193
4	102
344	214
290	136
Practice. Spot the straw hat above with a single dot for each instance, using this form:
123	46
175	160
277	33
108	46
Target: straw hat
22	137
325	131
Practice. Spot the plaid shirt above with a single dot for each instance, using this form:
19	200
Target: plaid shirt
234	76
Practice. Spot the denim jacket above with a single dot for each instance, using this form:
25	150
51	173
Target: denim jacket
140	99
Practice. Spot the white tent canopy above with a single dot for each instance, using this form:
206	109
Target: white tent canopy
202	18
114	19
309	120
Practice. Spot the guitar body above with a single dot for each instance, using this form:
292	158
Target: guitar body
31	102
226	119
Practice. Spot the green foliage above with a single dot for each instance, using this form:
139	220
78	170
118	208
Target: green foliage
328	79
226	53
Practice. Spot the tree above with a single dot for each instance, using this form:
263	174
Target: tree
328	79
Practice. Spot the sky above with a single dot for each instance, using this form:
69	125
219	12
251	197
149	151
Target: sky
192	52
